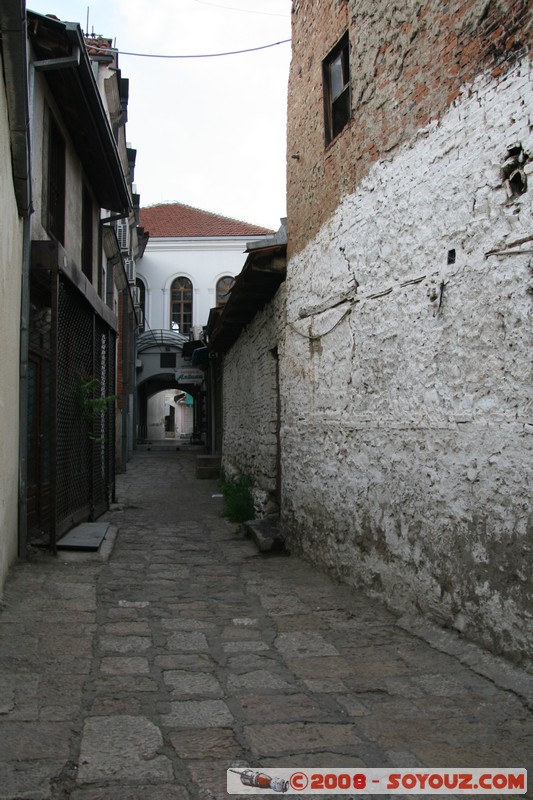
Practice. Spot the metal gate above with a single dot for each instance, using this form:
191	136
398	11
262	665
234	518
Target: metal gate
85	442
71	407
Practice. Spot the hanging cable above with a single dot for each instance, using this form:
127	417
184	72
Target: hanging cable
202	55
245	10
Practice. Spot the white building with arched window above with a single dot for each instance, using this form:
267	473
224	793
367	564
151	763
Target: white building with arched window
188	267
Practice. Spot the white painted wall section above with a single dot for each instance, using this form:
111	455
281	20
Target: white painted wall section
10	299
406	411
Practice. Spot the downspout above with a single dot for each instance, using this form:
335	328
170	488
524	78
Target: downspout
132	384
18	89
125	380
23	390
114	260
135	393
106	292
212	401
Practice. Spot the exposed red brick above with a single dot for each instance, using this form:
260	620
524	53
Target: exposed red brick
408	63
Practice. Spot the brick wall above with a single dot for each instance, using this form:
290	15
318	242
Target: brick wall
408	62
250	405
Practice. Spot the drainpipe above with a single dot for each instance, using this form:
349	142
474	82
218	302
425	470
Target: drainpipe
212	400
135	393
106	292
125	380
23	390
18	89
132	386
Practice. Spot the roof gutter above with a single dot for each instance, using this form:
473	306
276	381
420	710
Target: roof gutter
100	117
13	25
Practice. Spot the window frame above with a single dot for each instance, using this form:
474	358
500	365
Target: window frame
139	283
338	107
185	312
222	298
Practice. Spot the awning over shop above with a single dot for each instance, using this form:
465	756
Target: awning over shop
190	347
200	356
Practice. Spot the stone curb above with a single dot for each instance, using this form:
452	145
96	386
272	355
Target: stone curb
503	674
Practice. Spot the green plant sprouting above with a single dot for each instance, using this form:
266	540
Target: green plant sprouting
93	404
238	503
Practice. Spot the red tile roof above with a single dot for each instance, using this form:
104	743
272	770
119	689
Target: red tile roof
176	219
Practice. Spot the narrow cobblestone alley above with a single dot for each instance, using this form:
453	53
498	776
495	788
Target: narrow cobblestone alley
145	676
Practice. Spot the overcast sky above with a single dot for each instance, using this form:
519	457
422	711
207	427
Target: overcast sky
209	132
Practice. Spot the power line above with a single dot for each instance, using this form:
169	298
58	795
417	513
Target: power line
244	10
202	55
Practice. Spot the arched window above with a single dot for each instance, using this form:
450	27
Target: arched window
181	305
224	286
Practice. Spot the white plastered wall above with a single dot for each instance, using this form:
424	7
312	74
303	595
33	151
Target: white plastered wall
10	298
406	410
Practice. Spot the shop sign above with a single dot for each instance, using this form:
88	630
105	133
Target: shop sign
190	376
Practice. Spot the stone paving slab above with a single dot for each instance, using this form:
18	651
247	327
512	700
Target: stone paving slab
122	748
144	677
154	792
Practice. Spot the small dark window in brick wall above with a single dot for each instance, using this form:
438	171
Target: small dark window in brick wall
337	99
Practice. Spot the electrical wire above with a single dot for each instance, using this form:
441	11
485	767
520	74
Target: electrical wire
202	55
316	336
244	10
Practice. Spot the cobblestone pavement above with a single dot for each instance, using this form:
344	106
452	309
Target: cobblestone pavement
145	676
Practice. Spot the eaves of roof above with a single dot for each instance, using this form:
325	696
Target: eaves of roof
74	88
13	27
263	273
180	221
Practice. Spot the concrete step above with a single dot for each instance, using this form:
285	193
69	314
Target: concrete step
265	533
208	466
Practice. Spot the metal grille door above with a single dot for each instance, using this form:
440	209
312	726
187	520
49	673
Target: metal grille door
85	441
